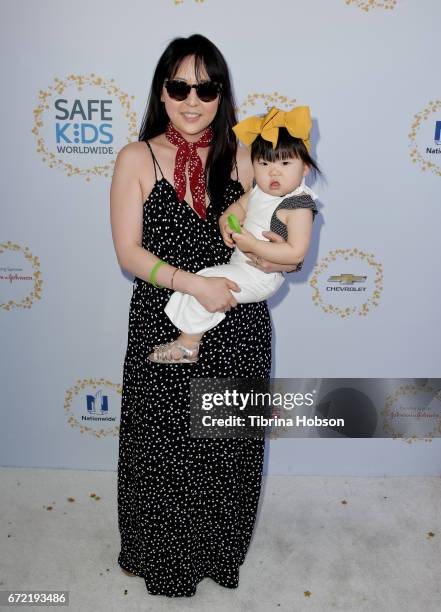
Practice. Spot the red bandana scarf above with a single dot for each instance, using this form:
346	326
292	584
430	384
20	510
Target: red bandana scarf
188	151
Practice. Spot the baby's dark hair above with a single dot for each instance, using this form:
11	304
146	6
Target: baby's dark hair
287	147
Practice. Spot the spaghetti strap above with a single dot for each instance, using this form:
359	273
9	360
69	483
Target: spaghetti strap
237	171
155	161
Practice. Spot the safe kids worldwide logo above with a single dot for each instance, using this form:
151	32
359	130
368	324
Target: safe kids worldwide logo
367	5
347	282
80	124
20	276
91	405
425	138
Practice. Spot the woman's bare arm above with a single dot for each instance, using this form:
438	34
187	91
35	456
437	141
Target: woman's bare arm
126	218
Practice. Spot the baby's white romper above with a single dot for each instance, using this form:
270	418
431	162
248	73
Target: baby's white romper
184	310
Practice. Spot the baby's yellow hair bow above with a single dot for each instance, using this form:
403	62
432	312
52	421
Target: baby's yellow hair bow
297	121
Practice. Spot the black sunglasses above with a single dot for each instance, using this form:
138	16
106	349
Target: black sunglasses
206	91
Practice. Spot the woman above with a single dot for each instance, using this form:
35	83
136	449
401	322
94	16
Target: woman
186	506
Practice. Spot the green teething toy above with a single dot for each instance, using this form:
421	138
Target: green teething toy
234	224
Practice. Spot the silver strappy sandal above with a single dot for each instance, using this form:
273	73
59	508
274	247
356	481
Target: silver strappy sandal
164	353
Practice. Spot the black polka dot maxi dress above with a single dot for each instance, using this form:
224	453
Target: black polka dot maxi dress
186	506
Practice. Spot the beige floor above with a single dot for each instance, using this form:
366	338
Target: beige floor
310	551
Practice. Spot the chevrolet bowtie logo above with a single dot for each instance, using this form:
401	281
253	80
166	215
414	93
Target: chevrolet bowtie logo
346	279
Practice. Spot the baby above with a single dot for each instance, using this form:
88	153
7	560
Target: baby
280	201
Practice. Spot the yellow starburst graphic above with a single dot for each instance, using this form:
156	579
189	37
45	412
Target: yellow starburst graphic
367	5
268	99
78	388
345	255
392	398
79	81
415	154
27	301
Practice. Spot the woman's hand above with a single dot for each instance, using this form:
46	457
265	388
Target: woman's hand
214	293
267	266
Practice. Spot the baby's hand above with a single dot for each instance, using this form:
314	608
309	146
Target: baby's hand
244	241
226	231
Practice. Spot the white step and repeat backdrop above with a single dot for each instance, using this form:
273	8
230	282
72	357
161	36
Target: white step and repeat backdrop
367	302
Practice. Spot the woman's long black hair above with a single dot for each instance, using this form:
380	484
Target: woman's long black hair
222	154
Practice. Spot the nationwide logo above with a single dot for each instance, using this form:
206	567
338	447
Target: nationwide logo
367	5
97	404
437	138
413	412
20	276
90	404
81	123
264	102
425	138
345	293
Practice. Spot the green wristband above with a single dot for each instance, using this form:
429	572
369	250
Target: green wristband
153	271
